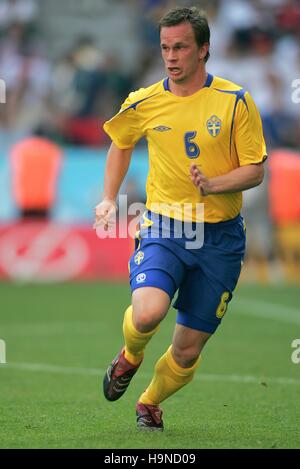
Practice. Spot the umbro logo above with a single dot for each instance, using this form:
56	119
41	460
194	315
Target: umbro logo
162	128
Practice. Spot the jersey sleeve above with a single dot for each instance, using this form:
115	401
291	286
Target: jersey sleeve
249	139
124	128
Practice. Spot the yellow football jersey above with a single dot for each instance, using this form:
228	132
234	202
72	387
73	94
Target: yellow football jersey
218	128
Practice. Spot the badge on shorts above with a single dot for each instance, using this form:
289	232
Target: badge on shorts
139	257
214	125
140	278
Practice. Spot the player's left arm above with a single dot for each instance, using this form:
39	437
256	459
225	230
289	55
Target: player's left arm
251	151
237	180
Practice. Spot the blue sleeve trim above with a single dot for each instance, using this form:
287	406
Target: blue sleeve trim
134	105
240	95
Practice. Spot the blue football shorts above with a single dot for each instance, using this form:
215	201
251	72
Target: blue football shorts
204	277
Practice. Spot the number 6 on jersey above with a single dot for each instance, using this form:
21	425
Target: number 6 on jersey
191	148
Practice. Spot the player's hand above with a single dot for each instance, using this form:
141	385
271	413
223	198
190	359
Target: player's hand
105	214
200	181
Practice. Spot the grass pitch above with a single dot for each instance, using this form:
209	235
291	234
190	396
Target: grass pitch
60	339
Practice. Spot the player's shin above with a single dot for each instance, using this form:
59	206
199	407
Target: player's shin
168	378
135	341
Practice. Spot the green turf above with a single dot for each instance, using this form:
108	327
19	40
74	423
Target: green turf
76	328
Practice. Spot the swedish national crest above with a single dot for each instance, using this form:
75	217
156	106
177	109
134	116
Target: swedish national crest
214	125
139	257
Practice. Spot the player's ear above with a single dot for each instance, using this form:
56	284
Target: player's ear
203	51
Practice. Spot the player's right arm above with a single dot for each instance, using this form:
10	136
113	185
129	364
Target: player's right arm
125	130
117	164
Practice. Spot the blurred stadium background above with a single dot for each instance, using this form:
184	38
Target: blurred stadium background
67	66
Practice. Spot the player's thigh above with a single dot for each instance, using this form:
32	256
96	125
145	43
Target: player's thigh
155	273
150	305
154	264
202	302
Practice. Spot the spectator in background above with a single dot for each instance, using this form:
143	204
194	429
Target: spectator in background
118	86
82	126
288	16
89	77
12	66
26	72
260	250
284	201
17	11
151	11
35	164
77	83
86	83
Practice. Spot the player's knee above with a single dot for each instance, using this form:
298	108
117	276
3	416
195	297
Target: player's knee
149	309
147	317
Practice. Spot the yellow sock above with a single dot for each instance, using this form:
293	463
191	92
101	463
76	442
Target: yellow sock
135	341
168	378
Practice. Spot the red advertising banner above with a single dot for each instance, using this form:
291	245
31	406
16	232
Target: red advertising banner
43	251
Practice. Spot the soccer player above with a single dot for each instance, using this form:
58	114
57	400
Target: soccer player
206	146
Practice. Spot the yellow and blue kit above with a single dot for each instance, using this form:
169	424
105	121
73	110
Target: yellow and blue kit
218	128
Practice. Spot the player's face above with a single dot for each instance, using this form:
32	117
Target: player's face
181	54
